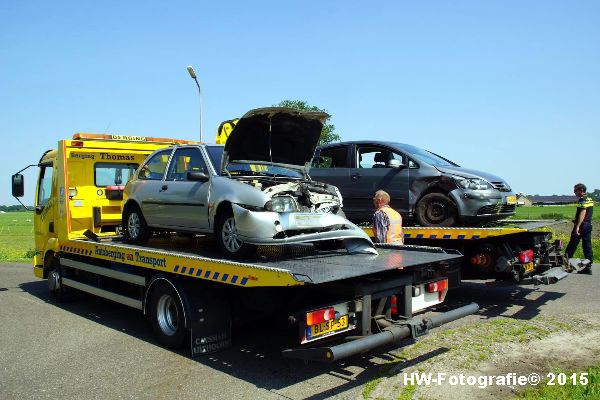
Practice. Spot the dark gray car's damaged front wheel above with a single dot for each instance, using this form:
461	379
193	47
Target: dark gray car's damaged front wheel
227	237
436	209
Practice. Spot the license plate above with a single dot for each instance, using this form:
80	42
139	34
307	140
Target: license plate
308	220
326	327
511	199
528	267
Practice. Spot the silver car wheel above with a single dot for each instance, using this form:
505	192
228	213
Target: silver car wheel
166	315
229	236
133	225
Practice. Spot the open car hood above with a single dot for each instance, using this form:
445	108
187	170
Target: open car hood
276	135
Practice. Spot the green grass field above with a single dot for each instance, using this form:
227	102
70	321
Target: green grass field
548	212
16	236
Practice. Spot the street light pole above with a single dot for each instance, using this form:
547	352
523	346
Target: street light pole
193	75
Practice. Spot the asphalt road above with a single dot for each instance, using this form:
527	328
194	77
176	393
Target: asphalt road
93	348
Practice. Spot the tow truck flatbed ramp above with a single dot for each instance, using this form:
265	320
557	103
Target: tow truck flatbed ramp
272	266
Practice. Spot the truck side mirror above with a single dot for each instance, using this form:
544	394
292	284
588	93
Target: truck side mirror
393	163
18	185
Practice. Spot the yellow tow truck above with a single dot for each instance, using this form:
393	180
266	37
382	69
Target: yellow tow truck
340	304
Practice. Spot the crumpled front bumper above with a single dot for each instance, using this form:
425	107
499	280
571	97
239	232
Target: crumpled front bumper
273	228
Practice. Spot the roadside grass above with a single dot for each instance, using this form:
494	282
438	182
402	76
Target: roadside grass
468	346
16	237
567	391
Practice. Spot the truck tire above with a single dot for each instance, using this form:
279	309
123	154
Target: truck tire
436	210
58	292
226	235
167	316
135	229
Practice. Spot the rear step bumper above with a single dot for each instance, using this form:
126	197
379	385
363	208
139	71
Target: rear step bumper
392	334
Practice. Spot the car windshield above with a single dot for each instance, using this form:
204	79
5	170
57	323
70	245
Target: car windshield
215	153
428	157
256	169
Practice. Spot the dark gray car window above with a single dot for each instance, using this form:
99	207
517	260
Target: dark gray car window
377	157
154	169
184	161
333	157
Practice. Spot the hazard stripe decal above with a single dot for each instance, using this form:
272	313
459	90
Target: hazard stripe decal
183	264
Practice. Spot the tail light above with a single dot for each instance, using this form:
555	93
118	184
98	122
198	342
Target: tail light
319	316
437	286
482	259
394	305
526	256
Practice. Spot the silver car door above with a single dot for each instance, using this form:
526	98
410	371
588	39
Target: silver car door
186	197
150	187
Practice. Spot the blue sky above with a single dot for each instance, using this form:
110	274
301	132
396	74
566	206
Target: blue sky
508	87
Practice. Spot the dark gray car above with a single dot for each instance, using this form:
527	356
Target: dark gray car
425	188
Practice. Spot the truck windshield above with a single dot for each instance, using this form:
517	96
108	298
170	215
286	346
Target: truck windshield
109	174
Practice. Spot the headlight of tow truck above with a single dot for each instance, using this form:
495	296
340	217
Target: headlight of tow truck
472	183
282	204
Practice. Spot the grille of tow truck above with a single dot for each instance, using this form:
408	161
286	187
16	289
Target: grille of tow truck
497	209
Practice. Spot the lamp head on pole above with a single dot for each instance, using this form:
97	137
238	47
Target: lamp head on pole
191	71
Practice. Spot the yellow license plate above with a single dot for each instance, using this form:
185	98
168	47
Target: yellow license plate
528	267
511	199
330	326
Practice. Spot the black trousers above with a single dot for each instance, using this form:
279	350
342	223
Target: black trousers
585	235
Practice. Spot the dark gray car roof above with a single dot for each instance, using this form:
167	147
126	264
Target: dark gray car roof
375	142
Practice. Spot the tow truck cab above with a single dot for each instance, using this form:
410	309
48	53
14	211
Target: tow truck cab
80	188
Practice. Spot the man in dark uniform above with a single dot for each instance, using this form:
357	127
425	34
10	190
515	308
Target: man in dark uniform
582	228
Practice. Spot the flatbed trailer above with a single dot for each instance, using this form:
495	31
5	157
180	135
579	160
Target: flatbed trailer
367	295
522	250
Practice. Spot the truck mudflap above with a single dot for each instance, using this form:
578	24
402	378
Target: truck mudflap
391	334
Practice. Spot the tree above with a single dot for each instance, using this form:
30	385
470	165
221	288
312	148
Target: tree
328	134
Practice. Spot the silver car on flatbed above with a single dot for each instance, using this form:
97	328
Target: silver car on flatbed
255	190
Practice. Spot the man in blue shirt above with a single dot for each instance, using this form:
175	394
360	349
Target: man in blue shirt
582	228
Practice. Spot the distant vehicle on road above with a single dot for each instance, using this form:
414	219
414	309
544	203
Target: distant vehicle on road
425	188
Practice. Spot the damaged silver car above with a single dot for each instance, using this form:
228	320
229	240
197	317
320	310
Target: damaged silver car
253	191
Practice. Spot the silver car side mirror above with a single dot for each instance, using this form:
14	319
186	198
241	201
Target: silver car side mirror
197	176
